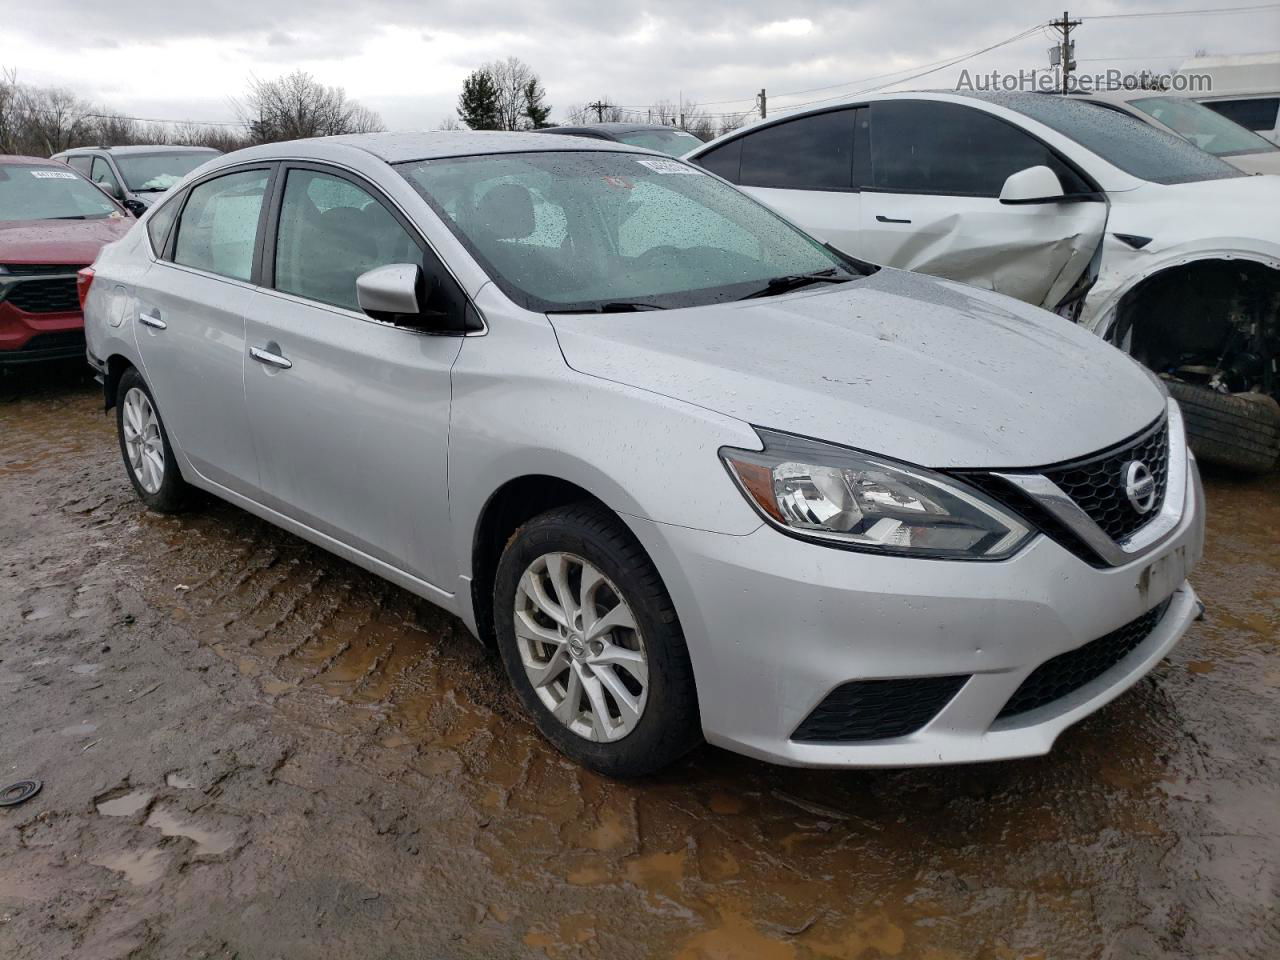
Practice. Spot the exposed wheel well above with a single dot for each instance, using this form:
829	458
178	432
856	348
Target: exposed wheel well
511	505
116	366
1213	317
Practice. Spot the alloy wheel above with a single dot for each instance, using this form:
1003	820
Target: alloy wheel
580	647
142	440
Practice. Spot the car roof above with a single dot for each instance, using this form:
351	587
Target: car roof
140	148
403	147
613	127
15	158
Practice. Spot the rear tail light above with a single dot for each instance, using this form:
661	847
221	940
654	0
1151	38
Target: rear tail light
84	278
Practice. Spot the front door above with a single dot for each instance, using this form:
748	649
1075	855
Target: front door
350	415
932	203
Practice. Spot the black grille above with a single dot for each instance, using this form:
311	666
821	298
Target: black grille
877	709
40	269
1070	671
64	340
55	295
1097	483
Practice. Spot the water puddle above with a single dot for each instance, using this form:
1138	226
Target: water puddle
209	843
127	805
139	867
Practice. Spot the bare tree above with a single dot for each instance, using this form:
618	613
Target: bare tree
297	106
449	122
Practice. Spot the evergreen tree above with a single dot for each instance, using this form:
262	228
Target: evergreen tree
478	102
536	110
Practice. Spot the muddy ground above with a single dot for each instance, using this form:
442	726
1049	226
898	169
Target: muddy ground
252	749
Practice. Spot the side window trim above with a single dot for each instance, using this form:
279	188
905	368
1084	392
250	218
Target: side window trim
273	174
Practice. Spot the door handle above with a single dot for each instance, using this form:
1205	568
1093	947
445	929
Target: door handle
881	218
263	355
153	320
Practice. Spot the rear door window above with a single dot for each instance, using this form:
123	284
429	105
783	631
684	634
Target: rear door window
1257	114
218	228
811	153
80	163
921	146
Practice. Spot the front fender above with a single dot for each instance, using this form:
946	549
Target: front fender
518	410
1124	268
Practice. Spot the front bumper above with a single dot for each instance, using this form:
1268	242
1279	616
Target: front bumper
34	337
774	625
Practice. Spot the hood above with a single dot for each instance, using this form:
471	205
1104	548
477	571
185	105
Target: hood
908	366
1265	161
58	241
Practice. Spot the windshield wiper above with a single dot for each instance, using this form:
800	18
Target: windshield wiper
613	306
74	216
794	281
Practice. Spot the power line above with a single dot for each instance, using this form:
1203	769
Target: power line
941	65
1181	13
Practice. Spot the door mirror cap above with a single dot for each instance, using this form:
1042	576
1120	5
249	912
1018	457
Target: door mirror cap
1032	185
390	293
112	190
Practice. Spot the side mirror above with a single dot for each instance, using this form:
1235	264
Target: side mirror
136	207
1032	185
112	190
390	294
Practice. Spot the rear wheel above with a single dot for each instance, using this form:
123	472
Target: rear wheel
144	444
590	641
1239	430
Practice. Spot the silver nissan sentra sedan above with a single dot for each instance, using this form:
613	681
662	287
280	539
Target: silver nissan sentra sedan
695	474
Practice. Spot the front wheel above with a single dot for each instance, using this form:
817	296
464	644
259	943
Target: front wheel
144	444
590	641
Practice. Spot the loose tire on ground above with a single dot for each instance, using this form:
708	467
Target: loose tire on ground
1240	430
173	494
669	725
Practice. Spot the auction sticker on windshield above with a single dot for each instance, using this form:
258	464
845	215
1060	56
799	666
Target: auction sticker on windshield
669	166
53	175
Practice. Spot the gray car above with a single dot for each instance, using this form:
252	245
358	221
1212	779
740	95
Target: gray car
694	473
136	175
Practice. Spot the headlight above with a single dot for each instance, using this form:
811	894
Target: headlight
847	498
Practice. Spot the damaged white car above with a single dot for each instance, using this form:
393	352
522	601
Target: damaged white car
1148	241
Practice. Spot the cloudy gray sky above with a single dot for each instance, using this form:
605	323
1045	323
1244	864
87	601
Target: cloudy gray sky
407	58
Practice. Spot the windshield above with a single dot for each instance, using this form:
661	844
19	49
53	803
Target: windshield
1124	141
594	230
52	192
1208	130
155	172
675	143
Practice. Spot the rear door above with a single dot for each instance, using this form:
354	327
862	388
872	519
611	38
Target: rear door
804	169
190	322
932	203
351	415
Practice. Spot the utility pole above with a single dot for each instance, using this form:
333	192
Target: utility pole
764	104
1066	58
599	107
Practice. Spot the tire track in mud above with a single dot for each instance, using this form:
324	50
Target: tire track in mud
1152	830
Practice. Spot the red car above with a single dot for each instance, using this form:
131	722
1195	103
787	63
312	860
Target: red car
53	221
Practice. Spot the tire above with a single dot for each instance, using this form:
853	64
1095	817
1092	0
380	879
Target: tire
1240	430
171	494
591	541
